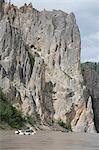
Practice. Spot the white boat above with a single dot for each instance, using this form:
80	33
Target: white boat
29	132
25	132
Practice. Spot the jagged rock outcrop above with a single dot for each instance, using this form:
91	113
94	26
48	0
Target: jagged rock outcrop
91	80
40	66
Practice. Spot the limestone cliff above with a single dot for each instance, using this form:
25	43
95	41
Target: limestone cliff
90	73
40	66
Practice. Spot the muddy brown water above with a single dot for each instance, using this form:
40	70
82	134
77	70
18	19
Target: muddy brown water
49	140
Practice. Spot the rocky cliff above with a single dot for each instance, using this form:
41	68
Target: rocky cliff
40	66
90	73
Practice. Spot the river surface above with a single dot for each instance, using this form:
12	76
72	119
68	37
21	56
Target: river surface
49	140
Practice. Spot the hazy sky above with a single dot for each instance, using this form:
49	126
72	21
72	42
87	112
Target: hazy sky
87	16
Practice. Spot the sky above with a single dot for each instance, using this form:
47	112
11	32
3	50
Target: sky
87	17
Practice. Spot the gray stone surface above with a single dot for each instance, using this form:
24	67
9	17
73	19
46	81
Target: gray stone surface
91	80
40	66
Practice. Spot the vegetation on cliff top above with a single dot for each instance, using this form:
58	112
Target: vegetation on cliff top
93	65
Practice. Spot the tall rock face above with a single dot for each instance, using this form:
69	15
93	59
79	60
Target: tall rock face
1	8
40	66
91	80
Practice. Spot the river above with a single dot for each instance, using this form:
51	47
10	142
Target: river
49	140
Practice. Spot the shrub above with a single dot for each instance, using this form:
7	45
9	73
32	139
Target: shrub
62	124
10	114
31	120
50	122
